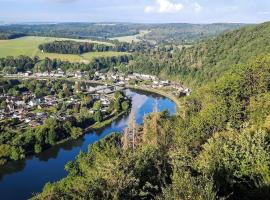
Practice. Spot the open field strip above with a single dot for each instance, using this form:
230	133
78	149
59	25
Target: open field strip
131	38
28	46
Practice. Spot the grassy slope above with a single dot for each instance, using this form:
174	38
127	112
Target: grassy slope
29	46
131	38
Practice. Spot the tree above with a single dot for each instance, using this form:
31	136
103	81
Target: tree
97	105
125	105
117	105
76	132
238	162
38	148
98	116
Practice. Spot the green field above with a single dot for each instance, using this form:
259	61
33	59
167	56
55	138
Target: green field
129	39
28	46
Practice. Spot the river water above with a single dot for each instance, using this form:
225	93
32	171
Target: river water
21	179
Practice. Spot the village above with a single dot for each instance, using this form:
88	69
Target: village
112	79
28	109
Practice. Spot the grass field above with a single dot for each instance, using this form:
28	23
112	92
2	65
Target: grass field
131	38
28	46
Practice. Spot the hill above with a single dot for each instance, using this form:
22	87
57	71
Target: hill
208	60
159	33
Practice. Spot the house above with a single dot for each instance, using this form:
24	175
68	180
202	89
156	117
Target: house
78	74
104	101
34	102
60	73
28	73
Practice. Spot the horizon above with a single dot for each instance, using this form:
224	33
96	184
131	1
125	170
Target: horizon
135	11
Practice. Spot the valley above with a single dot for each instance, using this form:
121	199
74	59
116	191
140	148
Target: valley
135	110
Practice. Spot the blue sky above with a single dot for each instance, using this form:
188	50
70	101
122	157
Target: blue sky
146	11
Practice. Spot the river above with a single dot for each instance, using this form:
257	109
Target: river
21	179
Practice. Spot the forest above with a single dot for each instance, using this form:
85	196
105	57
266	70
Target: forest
13	65
10	35
209	59
72	47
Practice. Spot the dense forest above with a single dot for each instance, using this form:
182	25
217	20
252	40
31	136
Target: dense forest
10	35
13	65
186	33
160	33
206	60
72	47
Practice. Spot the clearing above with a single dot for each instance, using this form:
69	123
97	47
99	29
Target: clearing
130	38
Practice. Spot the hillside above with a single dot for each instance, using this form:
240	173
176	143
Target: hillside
209	59
160	33
187	33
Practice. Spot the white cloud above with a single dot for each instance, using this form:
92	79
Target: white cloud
164	6
197	7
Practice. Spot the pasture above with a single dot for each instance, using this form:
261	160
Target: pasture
28	46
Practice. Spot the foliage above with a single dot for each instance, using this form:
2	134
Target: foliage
72	47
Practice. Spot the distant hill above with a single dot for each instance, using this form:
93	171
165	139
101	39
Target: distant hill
187	33
160	33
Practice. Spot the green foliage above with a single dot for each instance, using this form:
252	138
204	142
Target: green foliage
76	132
125	105
98	116
239	162
97	105
208	60
37	148
72	47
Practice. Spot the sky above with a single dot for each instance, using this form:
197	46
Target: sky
141	11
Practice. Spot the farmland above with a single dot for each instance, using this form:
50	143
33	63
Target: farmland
28	46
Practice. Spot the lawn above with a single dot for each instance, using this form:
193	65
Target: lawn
29	46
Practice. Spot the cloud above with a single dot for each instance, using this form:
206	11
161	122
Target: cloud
197	7
164	6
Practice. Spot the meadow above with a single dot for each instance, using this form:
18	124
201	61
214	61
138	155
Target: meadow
130	38
28	46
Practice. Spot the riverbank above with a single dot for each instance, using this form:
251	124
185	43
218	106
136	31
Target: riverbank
160	92
100	125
